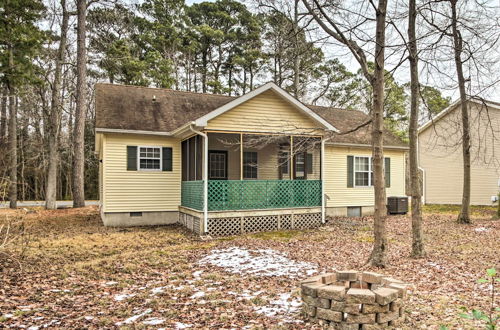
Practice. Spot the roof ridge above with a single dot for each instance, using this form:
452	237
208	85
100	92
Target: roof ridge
166	89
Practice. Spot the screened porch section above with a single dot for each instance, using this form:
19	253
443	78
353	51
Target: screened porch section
247	171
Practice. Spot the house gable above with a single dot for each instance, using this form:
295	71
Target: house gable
266	112
266	109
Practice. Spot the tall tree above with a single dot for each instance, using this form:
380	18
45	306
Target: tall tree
376	78
20	40
54	116
3	115
114	44
294	58
464	216
417	250
81	108
160	37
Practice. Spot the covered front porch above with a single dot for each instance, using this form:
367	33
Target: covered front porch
253	182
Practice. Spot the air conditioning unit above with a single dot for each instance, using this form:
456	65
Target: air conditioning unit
397	205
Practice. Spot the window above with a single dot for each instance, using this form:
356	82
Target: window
309	163
217	165
150	158
300	166
250	165
283	161
363	172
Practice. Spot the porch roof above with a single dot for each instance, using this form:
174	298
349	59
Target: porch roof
162	111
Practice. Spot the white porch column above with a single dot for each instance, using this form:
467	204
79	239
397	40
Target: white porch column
205	177
205	184
322	156
290	161
241	156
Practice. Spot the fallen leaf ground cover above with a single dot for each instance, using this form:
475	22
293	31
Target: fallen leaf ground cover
76	273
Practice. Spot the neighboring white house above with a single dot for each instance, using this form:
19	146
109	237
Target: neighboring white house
440	154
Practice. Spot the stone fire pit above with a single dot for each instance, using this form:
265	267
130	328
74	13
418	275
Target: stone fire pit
354	300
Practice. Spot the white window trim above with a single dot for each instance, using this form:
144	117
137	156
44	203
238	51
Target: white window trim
139	159
370	171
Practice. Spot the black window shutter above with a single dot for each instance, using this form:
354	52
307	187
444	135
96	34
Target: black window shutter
166	159
350	171
309	165
131	158
387	166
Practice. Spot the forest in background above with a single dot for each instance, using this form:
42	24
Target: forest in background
222	47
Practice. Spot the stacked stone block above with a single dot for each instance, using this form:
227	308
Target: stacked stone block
354	300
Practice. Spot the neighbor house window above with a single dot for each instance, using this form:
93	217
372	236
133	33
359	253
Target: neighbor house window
249	165
363	172
150	158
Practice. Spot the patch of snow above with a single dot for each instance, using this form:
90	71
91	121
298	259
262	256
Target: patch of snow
198	295
134	318
284	306
249	295
158	290
8	316
179	325
197	273
260	262
110	283
53	322
88	318
481	229
178	287
34	327
153	321
435	265
121	297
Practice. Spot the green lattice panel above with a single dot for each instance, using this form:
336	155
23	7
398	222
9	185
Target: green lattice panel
192	194
262	194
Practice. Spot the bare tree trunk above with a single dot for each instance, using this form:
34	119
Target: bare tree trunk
54	125
80	112
3	116
464	216
417	248
12	139
296	60
378	256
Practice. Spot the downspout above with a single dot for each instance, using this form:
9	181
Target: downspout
323	207
205	177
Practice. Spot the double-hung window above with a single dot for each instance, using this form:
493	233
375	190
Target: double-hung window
363	171
217	166
150	158
250	165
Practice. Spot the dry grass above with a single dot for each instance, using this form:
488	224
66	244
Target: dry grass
71	257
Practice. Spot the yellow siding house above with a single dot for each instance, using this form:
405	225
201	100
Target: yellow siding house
223	165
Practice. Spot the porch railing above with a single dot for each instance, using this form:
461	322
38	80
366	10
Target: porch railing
252	194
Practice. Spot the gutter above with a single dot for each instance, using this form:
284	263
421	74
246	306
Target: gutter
205	176
130	131
359	145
